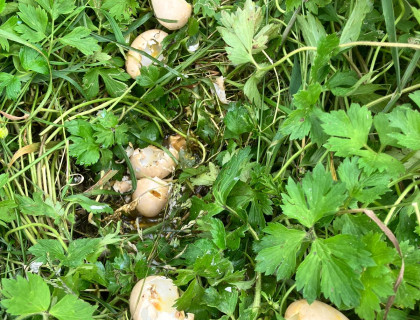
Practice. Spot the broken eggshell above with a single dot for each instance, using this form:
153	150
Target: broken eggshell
123	186
153	162
179	11
153	298
317	310
149	42
152	196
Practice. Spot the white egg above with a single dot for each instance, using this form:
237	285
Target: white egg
149	42
179	11
153	298
317	310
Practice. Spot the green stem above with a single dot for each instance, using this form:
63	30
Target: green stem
283	169
400	198
37	225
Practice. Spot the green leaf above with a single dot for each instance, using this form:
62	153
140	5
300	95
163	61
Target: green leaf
354	23
191	296
12	85
149	76
317	197
89	205
36	21
333	267
238	121
224	300
377	280
6	213
415	96
298	124
292	4
4	178
243	34
121	9
360	186
79	250
207	7
113	79
327	47
276	253
22	297
2	5
350	130
80	39
312	29
57	7
216	229
47	250
230	175
384	130
408	123
38	206
84	147
71	308
32	60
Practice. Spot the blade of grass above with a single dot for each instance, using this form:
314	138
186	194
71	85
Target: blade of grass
388	11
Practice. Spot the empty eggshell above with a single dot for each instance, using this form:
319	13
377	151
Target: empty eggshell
152	195
149	42
177	10
317	310
153	162
153	298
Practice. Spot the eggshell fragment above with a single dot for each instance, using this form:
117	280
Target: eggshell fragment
152	195
177	10
149	42
123	186
153	298
153	162
317	310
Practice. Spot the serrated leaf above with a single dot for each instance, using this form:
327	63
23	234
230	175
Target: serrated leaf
384	130
57	7
327	47
238	121
224	300
47	250
377	280
362	187
298	123
84	147
37	206
36	21
317	197
71	308
149	76
207	7
25	296
407	121
276	253
80	39
415	96
32	60
350	130
113	79
121	9
334	269
11	83
79	250
239	30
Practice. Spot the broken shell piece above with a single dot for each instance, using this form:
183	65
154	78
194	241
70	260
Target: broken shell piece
317	310
219	88
153	162
149	42
177	10
153	298
151	195
177	142
123	186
